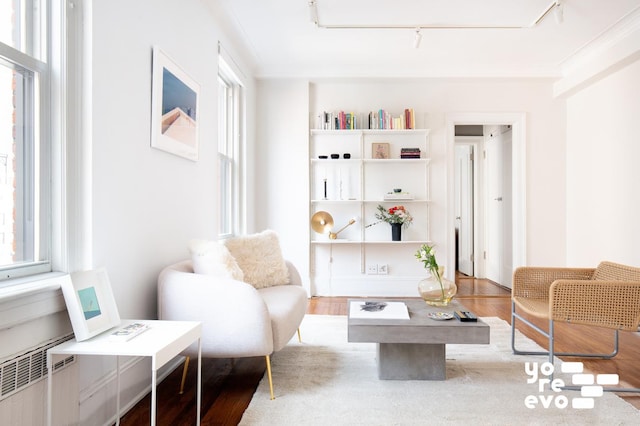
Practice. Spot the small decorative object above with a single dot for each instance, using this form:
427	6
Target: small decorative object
346	155
322	157
440	316
373	306
435	290
335	156
398	217
397	190
380	150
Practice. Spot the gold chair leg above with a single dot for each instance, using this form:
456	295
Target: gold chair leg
184	374
269	376
299	338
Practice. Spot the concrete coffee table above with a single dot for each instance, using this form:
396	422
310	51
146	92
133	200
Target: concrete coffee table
415	349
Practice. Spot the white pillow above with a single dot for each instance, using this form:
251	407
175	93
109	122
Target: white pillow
213	258
260	258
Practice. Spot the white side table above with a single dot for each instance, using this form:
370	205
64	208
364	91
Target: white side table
162	342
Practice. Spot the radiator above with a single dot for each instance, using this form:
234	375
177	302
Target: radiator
29	367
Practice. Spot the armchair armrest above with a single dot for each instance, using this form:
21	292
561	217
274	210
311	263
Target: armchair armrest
235	319
609	304
534	282
294	275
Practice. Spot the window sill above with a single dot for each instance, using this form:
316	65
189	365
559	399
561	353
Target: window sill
28	298
26	286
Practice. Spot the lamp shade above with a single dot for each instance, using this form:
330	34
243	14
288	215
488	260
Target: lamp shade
322	222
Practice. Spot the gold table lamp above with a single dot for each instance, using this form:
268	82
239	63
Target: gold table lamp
322	223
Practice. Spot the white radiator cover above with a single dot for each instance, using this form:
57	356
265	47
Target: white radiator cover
29	368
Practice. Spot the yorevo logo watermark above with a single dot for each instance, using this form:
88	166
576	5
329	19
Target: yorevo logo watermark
550	391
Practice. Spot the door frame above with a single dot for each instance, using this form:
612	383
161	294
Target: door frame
519	178
476	143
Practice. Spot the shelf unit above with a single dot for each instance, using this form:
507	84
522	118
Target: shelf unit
352	188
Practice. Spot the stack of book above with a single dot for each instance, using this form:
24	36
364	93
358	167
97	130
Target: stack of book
410	153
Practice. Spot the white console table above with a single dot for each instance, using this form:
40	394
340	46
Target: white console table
162	342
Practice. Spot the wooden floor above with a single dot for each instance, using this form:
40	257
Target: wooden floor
228	386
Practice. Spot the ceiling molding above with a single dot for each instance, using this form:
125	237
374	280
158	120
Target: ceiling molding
612	49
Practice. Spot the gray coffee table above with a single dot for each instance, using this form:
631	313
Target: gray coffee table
415	349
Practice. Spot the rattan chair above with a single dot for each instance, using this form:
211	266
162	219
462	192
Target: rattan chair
607	296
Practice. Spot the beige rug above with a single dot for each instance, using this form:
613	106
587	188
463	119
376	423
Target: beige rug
328	381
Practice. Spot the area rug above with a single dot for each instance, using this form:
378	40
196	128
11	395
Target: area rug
327	381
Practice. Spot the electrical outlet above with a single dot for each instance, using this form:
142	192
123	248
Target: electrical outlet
383	269
372	269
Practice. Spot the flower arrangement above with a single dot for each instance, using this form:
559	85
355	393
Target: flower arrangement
427	255
396	214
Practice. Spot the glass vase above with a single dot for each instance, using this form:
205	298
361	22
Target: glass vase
437	293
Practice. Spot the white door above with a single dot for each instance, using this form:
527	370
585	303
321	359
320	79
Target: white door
498	256
464	208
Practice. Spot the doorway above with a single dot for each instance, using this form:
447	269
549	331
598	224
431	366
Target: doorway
486	215
467	182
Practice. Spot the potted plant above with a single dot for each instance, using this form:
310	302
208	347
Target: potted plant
397	216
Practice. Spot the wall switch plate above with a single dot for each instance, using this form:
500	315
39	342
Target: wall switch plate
372	269
383	269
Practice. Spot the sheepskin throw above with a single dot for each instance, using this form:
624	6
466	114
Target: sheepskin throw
260	258
213	258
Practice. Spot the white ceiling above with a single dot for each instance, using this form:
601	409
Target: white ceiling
284	43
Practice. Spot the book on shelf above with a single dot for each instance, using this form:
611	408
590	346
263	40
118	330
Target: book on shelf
380	119
378	310
410	153
394	196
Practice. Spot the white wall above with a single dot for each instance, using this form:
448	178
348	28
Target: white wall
603	201
281	186
432	99
146	204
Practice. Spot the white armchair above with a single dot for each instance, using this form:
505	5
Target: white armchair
238	320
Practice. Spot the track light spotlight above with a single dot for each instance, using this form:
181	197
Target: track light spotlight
558	12
313	12
417	39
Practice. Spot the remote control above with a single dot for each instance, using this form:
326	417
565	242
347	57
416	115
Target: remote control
465	316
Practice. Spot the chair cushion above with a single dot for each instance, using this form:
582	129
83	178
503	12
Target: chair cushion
260	258
213	258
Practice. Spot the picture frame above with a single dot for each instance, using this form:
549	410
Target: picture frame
380	150
90	303
174	108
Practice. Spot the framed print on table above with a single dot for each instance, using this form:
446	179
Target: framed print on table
90	303
174	108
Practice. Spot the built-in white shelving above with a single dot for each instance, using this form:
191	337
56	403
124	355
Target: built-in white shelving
352	188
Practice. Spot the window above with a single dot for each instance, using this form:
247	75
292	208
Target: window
25	230
229	142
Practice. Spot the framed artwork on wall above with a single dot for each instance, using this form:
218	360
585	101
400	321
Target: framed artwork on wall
380	150
90	303
174	108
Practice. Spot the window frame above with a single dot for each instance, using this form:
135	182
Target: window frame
230	140
36	176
